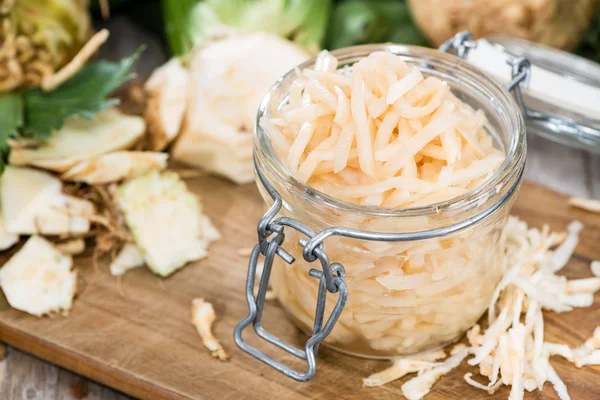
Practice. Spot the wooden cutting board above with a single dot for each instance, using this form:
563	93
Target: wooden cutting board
140	340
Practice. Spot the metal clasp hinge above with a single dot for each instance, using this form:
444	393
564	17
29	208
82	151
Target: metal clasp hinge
331	279
463	42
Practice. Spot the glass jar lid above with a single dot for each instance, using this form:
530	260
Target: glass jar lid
561	94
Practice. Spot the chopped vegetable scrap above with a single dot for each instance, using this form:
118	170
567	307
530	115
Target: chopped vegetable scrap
596	268
418	387
166	221
115	167
81	139
7	240
585	204
168	90
71	247
229	78
71	127
403	366
33	203
587	354
512	350
203	316
129	257
38	279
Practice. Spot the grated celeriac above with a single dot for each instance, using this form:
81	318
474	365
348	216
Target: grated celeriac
530	285
403	366
585	204
380	126
203	316
384	134
512	350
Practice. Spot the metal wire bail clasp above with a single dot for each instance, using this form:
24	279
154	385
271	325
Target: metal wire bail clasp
521	74
463	42
331	279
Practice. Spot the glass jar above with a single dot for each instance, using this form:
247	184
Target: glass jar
418	278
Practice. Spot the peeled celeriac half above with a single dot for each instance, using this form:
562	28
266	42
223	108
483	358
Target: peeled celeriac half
80	139
114	167
33	203
168	90
229	78
165	220
38	279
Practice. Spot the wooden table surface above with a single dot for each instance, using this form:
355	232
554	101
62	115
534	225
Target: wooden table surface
25	377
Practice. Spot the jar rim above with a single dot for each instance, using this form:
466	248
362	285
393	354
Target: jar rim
508	174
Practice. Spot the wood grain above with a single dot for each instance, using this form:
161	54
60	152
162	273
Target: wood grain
25	377
563	169
141	341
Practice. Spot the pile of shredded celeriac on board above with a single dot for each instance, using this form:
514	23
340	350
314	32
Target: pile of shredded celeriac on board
381	134
512	350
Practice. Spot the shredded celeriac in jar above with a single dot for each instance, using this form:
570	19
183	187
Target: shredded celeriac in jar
382	134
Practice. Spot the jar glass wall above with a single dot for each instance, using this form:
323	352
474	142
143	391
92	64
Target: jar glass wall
410	296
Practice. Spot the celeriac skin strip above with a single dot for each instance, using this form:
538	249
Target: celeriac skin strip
384	134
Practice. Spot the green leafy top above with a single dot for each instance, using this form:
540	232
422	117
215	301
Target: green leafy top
191	22
11	117
372	21
35	114
85	94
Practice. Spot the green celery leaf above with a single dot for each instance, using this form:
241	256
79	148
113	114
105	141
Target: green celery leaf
11	116
11	120
85	94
